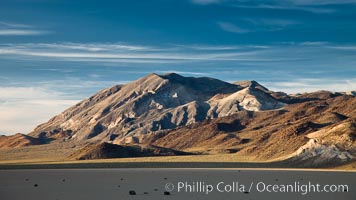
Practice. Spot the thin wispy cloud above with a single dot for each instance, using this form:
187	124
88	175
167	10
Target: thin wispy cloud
93	46
18	32
125	53
206	2
272	22
14	25
311	85
346	48
313	6
320	2
16	29
316	10
209	47
80	52
277	2
230	27
257	25
269	24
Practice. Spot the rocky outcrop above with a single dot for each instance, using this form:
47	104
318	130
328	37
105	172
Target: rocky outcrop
107	150
314	153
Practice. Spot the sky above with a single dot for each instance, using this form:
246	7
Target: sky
54	53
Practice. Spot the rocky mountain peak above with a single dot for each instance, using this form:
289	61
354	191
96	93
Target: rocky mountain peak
251	84
154	103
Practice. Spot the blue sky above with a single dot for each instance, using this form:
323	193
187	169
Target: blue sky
54	53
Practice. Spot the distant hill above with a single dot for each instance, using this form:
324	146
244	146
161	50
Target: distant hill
107	150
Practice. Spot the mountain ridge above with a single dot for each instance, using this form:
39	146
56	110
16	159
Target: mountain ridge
179	101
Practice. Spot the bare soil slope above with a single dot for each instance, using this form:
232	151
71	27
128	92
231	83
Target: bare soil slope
17	140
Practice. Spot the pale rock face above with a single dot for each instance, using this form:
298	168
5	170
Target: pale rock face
245	99
115	123
175	95
67	124
157	102
223	107
352	93
155	105
254	100
321	153
94	119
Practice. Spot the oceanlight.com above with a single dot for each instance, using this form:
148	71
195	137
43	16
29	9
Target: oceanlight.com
237	187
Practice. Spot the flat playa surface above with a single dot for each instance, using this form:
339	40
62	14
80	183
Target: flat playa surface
195	161
149	183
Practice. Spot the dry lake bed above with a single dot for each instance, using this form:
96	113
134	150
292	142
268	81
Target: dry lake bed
246	184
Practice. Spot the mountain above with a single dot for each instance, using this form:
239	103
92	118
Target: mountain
126	113
172	115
